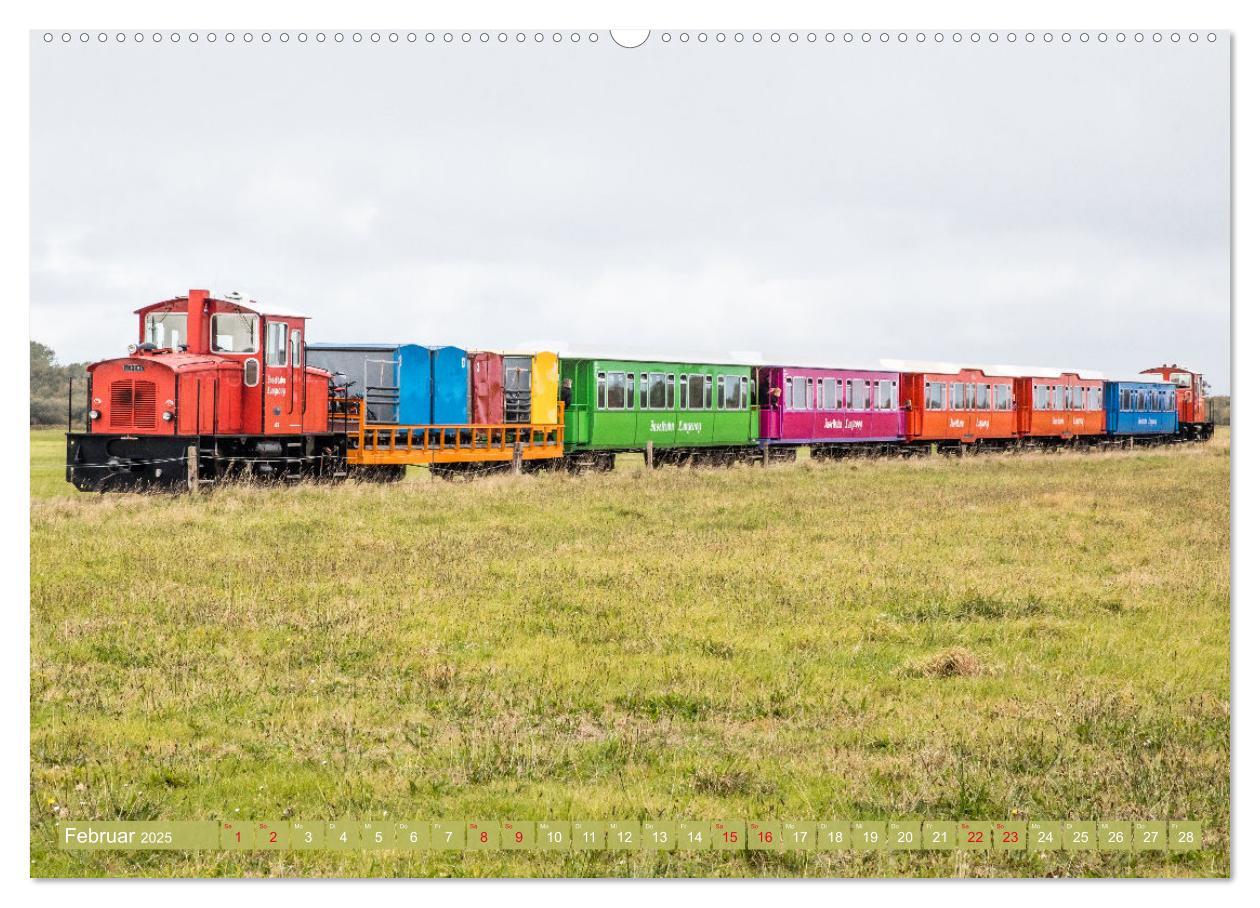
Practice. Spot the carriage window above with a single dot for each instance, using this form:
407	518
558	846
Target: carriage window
234	332
166	329
601	393
858	393
969	396
643	391
617	396
1124	399
743	392
1039	397
1002	397
708	392
695	391
669	391
796	387
956	393
982	397
277	344
1078	398
934	397
829	394
1096	398
655	385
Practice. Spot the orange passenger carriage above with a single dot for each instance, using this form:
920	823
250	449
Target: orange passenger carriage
960	407
1061	406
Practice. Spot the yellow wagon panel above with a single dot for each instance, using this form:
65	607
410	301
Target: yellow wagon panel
545	389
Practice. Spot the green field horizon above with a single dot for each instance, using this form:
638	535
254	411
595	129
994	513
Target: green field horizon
1035	636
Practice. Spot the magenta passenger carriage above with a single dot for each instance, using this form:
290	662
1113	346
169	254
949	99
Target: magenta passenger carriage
835	411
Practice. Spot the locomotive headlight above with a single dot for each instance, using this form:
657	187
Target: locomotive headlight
94	414
168	415
132	348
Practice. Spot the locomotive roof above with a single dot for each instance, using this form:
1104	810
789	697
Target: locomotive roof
239	304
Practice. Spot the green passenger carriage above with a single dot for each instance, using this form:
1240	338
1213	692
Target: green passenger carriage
689	411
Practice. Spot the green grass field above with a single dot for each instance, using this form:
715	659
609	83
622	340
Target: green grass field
1043	636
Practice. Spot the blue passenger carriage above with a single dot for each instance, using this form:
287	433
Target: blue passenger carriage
1141	408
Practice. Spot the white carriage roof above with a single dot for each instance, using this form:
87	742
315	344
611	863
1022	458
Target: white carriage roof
914	365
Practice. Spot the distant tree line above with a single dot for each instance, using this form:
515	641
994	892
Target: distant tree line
1218	409
50	383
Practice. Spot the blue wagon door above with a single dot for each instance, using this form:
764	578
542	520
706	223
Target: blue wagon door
450	386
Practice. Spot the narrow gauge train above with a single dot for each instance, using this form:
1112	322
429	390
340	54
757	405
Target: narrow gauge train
215	390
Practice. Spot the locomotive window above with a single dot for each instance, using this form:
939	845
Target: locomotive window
166	329
277	344
251	372
829	394
601	394
295	346
234	332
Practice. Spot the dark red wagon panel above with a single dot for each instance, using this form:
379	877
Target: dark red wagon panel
487	388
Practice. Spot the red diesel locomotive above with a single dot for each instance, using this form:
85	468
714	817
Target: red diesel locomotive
212	390
1193	422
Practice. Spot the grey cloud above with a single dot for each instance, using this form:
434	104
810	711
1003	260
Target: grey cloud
1030	204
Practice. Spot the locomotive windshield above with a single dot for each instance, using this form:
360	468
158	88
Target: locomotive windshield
234	332
166	329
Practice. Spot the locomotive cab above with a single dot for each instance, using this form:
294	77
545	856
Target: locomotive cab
212	386
1193	422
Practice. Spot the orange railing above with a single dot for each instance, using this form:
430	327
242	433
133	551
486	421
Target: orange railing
386	443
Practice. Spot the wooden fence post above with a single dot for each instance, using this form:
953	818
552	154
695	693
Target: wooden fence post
648	455
516	459
194	470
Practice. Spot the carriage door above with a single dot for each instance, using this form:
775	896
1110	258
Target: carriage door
282	414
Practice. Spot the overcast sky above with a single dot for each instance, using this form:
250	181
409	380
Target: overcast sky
1059	204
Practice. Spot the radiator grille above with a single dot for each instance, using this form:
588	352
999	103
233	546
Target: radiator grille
132	404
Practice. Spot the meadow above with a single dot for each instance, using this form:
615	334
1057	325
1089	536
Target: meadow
1035	636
